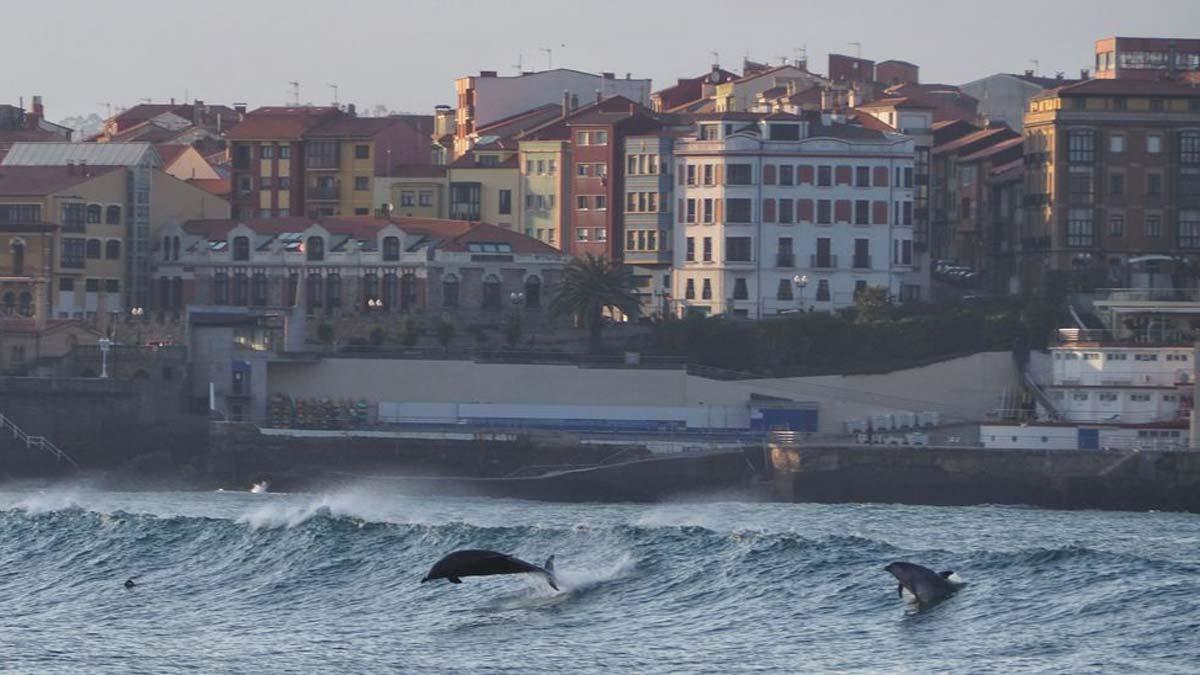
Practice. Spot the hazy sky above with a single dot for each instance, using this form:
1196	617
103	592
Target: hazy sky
406	54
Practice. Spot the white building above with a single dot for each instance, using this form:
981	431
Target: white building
782	212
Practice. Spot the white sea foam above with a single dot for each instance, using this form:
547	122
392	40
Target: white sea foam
48	501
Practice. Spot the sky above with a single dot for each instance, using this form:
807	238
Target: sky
406	54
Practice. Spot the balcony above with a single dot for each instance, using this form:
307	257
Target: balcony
823	262
785	260
862	262
323	193
1139	338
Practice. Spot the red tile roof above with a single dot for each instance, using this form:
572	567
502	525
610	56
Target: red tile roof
991	135
898	102
170	152
34	181
691	89
282	123
867	121
418	171
1119	87
220	187
341	126
482	233
993	150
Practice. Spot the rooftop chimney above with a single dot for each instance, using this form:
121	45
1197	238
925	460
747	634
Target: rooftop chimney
607	76
566	102
598	96
240	109
1028	73
1085	74
487	73
1058	75
37	114
350	110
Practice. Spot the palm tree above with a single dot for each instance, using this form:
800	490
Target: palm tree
589	286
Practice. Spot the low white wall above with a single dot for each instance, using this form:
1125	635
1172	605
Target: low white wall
963	389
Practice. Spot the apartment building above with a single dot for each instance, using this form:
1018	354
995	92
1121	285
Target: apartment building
779	212
543	189
485	184
1133	58
648	222
1112	185
412	191
317	161
488	97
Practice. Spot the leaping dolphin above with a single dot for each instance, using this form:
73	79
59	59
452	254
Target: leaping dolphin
923	583
479	563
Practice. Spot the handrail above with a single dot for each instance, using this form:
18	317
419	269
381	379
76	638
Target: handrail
35	442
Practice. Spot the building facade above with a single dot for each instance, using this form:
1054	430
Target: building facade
1112	185
779	213
648	223
1148	59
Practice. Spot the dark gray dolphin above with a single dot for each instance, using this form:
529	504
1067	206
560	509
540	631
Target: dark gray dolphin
479	563
129	582
926	585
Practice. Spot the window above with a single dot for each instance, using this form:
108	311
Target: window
689	292
824	176
1189	229
285	152
93	249
690	216
491	292
708	210
1116	225
1079	396
391	249
1153	144
824	212
822	290
1116	184
710	132
1189	147
73	218
284	183
738	211
14	212
599	138
528	166
241	248
708	249
505	199
706	290
740	291
691	174
551	167
737	249
1081	146
582	234
862	254
362	152
581	138
1153	226
533	292
862	212
601	202
408	198
220	288
709	175
449	291
783	253
581	203
785	132
465	201
1116	143
862	176
362	183
739	174
266	152
690	255
241	289
1154	184
786	212
93	213
787	174
426	198
1140	398
314	249
1080	233
824	257
784	291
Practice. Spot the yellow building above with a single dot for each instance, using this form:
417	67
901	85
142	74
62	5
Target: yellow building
485	185
412	190
544	186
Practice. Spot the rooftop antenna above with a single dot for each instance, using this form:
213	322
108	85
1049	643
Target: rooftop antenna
549	57
782	60
801	54
334	87
146	100
716	59
295	86
857	49
1036	64
107	108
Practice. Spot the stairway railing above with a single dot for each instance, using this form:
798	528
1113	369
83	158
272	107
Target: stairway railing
35	442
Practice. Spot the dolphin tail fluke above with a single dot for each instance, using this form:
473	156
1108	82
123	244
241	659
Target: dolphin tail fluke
550	580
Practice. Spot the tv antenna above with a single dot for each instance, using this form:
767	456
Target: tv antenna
716	59
107	107
549	57
295	87
334	87
1036	65
857	49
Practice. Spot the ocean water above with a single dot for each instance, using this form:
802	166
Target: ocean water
237	582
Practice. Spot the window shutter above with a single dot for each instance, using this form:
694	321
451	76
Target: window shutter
720	175
880	179
681	211
768	210
682	173
768	174
881	210
843	174
841	211
718	211
805	175
804	210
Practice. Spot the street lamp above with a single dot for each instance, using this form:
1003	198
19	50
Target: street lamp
136	313
800	280
374	303
105	345
517	298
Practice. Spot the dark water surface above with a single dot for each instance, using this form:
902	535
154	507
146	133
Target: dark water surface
234	582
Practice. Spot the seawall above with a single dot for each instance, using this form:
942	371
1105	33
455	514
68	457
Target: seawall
1161	480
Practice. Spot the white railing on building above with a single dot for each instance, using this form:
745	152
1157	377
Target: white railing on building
35	442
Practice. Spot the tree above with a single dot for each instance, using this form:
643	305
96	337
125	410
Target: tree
590	285
445	333
871	303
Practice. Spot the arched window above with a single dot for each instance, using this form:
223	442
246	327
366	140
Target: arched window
391	249
313	292
112	249
10	303
93	213
166	248
408	290
25	304
258	289
174	248
220	288
333	291
491	292
314	248
93	249
112	215
241	248
533	292
241	289
18	258
390	290
450	291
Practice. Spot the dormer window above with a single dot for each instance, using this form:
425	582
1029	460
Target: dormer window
314	249
710	132
784	132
